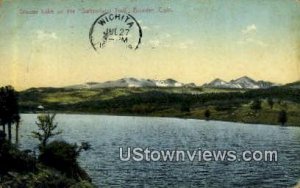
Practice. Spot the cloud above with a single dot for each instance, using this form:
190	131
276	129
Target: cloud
182	46
162	40
186	44
252	41
249	36
45	35
249	29
156	26
154	43
145	28
167	35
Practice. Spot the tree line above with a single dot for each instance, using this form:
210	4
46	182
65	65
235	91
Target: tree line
9	111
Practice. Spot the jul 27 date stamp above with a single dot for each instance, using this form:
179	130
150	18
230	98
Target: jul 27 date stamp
115	29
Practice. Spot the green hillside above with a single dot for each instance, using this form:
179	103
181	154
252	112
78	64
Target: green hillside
223	104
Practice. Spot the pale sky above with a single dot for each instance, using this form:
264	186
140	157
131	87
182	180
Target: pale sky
193	41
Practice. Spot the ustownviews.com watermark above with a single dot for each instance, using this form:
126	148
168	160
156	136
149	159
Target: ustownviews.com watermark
146	154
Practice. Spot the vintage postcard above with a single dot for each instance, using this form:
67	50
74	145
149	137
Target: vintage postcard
138	93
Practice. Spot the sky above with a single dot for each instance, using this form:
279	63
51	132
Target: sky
187	40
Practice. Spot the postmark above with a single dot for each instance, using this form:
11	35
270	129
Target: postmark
111	29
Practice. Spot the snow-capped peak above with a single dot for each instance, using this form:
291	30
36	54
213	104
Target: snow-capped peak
243	82
133	82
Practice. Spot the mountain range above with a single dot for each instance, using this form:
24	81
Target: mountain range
132	82
240	83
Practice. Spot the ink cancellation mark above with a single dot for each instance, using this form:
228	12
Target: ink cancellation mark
109	29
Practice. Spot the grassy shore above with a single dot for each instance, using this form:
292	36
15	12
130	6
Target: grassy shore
242	114
224	104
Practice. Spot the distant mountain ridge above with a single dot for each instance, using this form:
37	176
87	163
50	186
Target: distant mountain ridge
244	82
132	82
241	83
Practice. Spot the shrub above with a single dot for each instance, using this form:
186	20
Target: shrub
270	102
63	157
185	106
60	155
207	114
256	105
49	178
12	159
282	117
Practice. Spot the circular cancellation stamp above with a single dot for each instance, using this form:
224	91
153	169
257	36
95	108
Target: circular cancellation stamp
115	29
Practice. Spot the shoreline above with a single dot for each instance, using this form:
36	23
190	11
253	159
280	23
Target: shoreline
163	116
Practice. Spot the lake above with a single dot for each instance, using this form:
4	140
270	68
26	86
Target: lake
107	134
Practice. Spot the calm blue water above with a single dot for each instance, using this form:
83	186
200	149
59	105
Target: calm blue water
107	133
